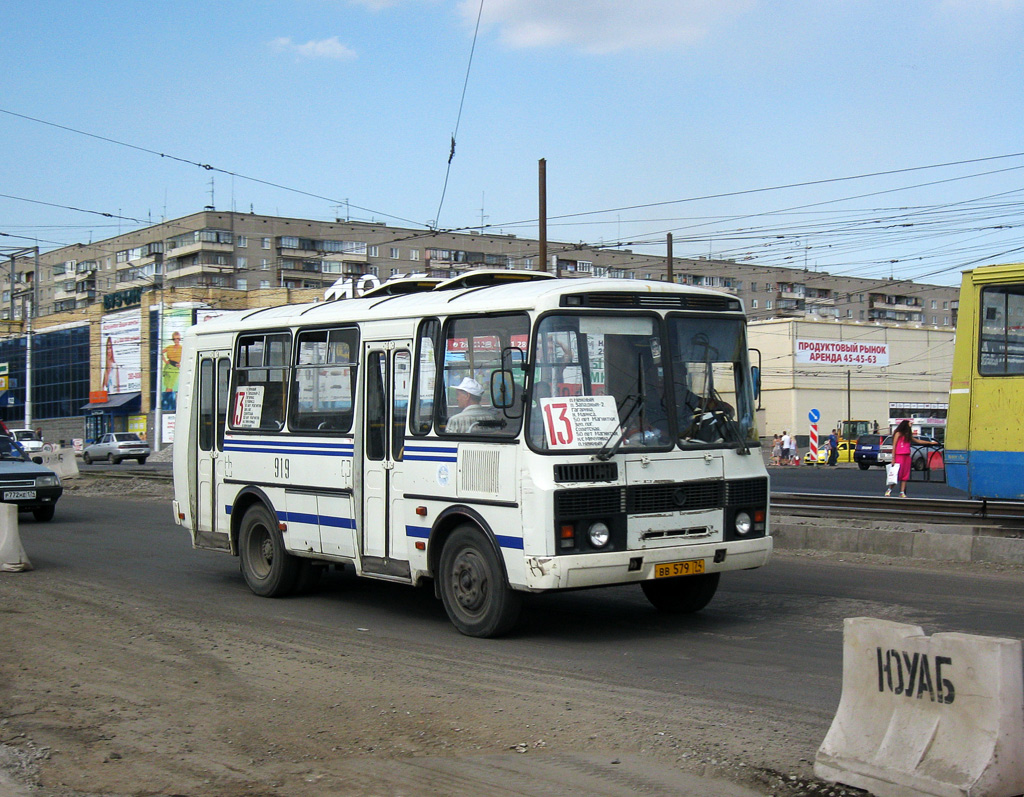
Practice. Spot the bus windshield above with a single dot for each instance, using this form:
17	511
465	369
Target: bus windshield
693	391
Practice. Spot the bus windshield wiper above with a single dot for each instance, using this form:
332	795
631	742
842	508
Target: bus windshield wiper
615	439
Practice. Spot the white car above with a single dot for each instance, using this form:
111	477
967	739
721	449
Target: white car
116	446
28	440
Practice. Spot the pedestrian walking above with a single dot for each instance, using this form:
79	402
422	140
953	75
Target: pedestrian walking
776	456
833	448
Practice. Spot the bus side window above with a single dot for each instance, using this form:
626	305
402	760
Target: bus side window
323	381
206	405
262	366
425	377
376	410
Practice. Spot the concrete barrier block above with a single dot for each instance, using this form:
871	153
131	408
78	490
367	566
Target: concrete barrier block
13	558
826	538
1006	550
61	461
945	547
897	544
940	715
787	535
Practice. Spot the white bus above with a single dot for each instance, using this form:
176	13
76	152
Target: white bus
612	441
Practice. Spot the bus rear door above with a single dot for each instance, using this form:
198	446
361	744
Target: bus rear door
388	369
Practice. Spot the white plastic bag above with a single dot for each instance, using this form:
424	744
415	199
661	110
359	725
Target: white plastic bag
892	473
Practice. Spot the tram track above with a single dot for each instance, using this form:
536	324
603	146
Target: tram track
944	511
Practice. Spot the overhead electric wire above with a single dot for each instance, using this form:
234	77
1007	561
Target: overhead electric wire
458	118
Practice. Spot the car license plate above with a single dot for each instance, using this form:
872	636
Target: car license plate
689	567
19	495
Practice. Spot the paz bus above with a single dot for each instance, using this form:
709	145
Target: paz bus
610	439
984	439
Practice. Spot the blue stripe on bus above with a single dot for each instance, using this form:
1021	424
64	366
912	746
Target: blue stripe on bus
304	517
270	449
413	458
422	532
509	542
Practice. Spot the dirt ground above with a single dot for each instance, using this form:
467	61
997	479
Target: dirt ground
126	696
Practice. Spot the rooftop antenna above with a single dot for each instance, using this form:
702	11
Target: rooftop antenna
211	205
483	194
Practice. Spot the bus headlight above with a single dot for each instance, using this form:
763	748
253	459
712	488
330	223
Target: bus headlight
599	534
743	524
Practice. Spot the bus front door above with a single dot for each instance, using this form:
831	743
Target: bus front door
214	374
388	369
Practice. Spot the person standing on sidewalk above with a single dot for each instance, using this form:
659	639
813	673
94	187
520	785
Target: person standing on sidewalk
787	452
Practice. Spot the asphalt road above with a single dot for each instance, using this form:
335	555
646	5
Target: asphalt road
770	634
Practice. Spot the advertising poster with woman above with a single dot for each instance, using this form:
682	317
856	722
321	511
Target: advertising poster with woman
175	321
121	336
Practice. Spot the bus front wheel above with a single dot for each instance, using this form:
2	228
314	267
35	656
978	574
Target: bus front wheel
682	595
475	594
269	570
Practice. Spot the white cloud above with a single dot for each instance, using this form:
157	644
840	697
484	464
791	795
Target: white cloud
603	26
324	48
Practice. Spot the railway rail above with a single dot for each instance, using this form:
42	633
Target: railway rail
945	511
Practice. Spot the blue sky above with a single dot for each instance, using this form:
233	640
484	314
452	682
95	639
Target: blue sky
653	116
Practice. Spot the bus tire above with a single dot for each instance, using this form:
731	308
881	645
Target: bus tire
269	570
475	594
682	595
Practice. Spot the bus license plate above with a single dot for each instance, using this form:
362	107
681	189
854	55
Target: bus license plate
689	567
19	495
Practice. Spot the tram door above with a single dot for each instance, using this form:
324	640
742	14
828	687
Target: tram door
388	369
214	374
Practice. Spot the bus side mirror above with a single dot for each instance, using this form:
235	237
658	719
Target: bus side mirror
503	389
755	380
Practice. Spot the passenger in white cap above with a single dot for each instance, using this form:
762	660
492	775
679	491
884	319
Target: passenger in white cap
468	393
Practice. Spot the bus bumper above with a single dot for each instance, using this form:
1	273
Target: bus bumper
625	567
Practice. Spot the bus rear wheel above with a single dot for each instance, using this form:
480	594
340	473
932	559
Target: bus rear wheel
475	594
682	595
269	570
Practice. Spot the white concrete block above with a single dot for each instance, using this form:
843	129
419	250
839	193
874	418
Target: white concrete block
940	715
13	558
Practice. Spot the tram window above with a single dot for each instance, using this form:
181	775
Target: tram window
261	374
324	380
1001	338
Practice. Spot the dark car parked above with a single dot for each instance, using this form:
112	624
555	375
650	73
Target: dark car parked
32	487
865	454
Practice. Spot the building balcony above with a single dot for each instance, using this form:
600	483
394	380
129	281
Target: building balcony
197	246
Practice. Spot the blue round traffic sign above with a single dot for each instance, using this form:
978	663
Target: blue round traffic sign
814	415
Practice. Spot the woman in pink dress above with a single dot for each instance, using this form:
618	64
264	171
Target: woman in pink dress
901	452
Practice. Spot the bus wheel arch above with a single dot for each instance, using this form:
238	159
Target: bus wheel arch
269	570
470	576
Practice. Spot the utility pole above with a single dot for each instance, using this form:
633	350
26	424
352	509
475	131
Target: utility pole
668	258
542	179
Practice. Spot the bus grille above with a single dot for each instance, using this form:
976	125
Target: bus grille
581	503
587	472
643	498
747	492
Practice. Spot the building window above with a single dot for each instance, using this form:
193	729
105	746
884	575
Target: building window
264	263
372	251
393	253
768	304
264	283
414	254
242	284
945	320
945	305
395	272
243	262
243	240
265	243
753	304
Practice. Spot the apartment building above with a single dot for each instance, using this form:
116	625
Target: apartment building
219	259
